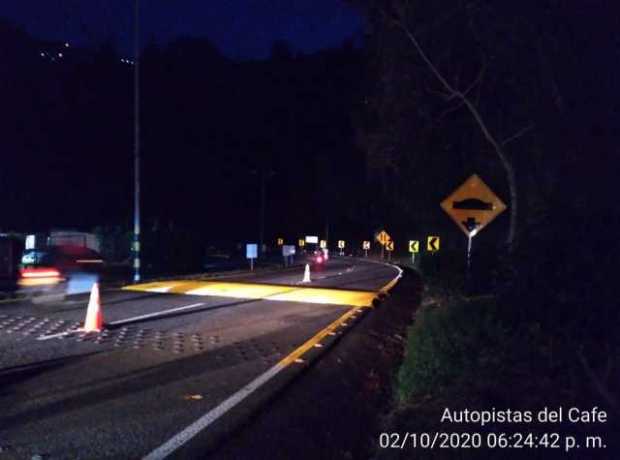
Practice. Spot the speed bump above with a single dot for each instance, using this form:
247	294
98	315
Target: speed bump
259	291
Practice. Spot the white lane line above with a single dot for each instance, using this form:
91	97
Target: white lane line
192	430
127	320
158	313
53	336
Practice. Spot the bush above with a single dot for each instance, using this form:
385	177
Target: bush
451	345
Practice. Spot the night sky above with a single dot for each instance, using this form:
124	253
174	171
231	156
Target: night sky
243	29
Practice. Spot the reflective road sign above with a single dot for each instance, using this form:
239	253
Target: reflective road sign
432	244
472	206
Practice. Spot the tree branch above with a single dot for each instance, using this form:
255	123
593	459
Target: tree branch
476	81
426	59
454	93
450	109
518	134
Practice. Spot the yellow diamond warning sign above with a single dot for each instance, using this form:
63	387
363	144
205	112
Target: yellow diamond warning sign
383	237
473	205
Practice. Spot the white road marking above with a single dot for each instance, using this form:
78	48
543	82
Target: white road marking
210	417
203	422
53	336
152	315
127	320
161	290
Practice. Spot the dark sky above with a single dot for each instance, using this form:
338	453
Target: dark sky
240	28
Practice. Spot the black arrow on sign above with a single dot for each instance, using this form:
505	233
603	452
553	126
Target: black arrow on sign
432	244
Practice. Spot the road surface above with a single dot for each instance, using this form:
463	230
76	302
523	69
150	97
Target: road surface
177	363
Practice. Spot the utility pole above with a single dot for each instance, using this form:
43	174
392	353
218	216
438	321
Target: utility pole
327	229
136	151
261	218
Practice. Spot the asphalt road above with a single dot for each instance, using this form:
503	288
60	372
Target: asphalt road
134	389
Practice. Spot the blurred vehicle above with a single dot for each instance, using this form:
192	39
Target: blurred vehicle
11	248
317	257
57	271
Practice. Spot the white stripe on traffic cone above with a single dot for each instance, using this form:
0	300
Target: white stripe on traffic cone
94	316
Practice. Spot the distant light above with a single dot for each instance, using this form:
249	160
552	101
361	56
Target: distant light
122	60
59	55
66	44
42	54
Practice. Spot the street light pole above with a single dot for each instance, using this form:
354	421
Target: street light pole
261	229
136	151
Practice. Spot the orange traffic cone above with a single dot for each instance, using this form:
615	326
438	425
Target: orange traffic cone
94	317
306	274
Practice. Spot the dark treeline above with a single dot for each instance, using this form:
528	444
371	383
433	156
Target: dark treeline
541	74
361	139
211	128
452	88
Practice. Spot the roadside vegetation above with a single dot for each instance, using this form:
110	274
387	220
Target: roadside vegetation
542	334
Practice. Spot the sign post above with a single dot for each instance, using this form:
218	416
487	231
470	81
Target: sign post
382	237
366	247
341	247
414	247
288	251
251	253
390	247
472	206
